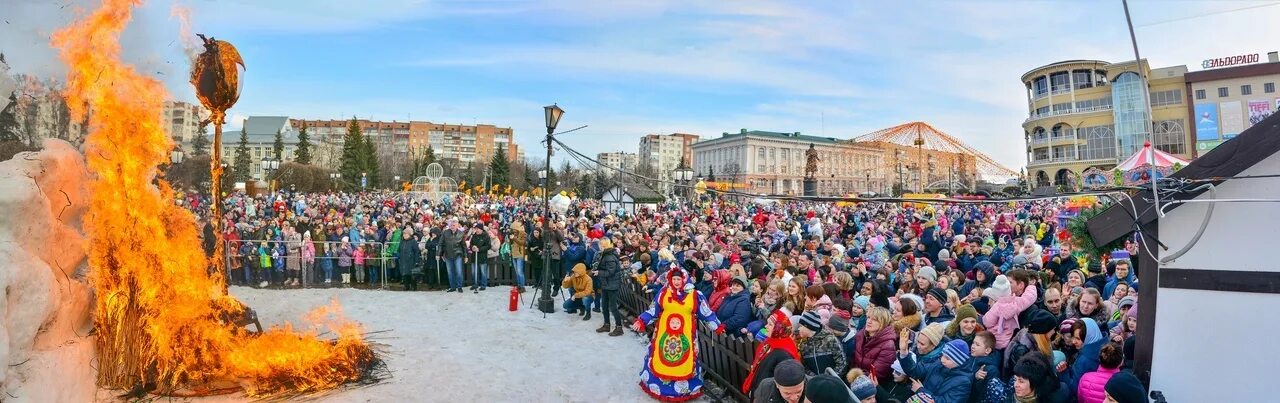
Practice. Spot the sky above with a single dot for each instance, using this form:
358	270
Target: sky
629	68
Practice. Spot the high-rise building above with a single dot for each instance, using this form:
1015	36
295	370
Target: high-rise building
1228	99
1088	115
618	161
183	119
664	153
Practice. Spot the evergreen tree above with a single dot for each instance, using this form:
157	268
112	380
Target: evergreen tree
430	155
278	146
200	144
352	150
9	120
302	154
500	168
369	157
240	173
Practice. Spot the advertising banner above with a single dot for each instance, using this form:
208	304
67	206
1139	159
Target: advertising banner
1258	110
1232	122
1207	121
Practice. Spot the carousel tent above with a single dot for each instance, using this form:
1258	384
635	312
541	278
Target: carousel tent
1136	169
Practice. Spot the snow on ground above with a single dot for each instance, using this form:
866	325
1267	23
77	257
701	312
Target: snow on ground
468	347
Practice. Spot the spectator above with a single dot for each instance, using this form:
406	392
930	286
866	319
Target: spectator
1092	386
736	312
819	349
875	345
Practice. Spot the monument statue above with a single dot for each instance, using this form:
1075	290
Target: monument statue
811	162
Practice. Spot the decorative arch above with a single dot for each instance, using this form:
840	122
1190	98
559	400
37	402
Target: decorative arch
1066	179
1042	179
1062	129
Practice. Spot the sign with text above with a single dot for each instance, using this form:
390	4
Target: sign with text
1230	61
1206	122
1258	110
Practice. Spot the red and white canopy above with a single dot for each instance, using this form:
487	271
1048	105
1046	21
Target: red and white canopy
1161	158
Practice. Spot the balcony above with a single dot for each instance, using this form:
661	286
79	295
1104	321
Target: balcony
1060	89
1072	111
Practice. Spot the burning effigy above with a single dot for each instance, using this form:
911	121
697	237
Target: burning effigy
162	321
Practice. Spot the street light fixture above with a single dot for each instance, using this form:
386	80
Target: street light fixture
176	156
545	303
683	176
269	166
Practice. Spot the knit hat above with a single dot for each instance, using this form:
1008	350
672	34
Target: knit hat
928	272
862	301
811	320
1041	322
934	332
862	387
957	350
1065	327
944	254
838	323
938	294
998	289
962	312
1018	260
1133	312
1032	367
1127	301
1124	387
740	280
826	388
788	373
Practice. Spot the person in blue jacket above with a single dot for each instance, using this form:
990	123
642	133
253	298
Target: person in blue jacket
948	380
735	310
1123	273
1088	338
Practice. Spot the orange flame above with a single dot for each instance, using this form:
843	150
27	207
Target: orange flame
160	317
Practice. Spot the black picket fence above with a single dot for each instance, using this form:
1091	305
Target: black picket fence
726	359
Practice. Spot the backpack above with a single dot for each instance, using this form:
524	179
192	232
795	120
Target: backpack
504	252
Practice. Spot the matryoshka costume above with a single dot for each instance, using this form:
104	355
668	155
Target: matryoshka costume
671	371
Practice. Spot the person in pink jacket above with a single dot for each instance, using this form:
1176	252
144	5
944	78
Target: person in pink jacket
1092	388
1013	294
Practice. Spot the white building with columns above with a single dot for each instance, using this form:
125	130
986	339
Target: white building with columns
774	163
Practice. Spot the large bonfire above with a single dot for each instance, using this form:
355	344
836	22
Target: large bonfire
162	321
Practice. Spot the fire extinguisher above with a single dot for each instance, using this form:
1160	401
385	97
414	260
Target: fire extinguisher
514	302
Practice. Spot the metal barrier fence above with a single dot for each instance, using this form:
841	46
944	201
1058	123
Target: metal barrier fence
726	359
501	271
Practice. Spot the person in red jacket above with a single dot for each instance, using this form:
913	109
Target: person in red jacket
876	348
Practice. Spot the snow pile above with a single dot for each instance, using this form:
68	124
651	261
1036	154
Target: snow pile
446	347
45	300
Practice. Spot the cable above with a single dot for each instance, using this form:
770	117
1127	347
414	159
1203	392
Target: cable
1204	223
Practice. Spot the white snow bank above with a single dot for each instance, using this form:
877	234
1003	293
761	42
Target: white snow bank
469	348
45	299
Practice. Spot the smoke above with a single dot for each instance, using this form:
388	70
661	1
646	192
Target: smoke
151	43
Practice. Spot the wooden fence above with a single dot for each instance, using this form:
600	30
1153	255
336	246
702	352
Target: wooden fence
726	359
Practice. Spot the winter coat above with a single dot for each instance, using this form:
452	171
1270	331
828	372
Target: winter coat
1113	281
344	256
451	246
767	392
610	270
721	279
822	351
518	240
735	312
410	254
579	281
989	276
945	385
574	254
875	353
1092	386
479	241
944	316
1002	319
1087	358
1062	266
992	364
495	246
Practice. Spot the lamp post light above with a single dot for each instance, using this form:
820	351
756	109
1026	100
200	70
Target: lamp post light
335	176
176	156
683	176
269	167
545	303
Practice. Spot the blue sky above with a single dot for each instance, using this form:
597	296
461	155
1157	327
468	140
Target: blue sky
628	68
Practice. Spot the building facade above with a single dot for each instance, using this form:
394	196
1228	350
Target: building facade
1085	114
664	153
261	132
396	142
183	119
774	163
618	161
1225	101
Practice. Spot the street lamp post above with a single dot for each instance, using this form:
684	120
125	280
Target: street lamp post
683	176
545	303
269	167
335	177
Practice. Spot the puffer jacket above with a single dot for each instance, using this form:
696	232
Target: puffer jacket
1002	318
579	281
610	270
946	385
735	312
875	353
1092	388
820	352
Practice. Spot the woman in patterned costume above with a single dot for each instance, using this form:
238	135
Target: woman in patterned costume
671	371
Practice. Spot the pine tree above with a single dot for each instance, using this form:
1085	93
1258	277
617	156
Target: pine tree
430	155
500	168
278	147
352	145
302	154
240	173
200	144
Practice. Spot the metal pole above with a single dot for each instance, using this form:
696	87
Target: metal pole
1146	100
215	208
545	303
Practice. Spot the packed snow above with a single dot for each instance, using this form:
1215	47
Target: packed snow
469	347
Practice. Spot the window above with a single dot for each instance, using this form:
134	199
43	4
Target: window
1090	105
1222	92
1041	86
1081	79
1130	112
1170	136
1246	89
1061	82
1170	97
1269	88
1199	94
1062	108
1099	142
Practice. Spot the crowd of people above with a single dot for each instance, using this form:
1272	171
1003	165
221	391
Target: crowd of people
883	302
